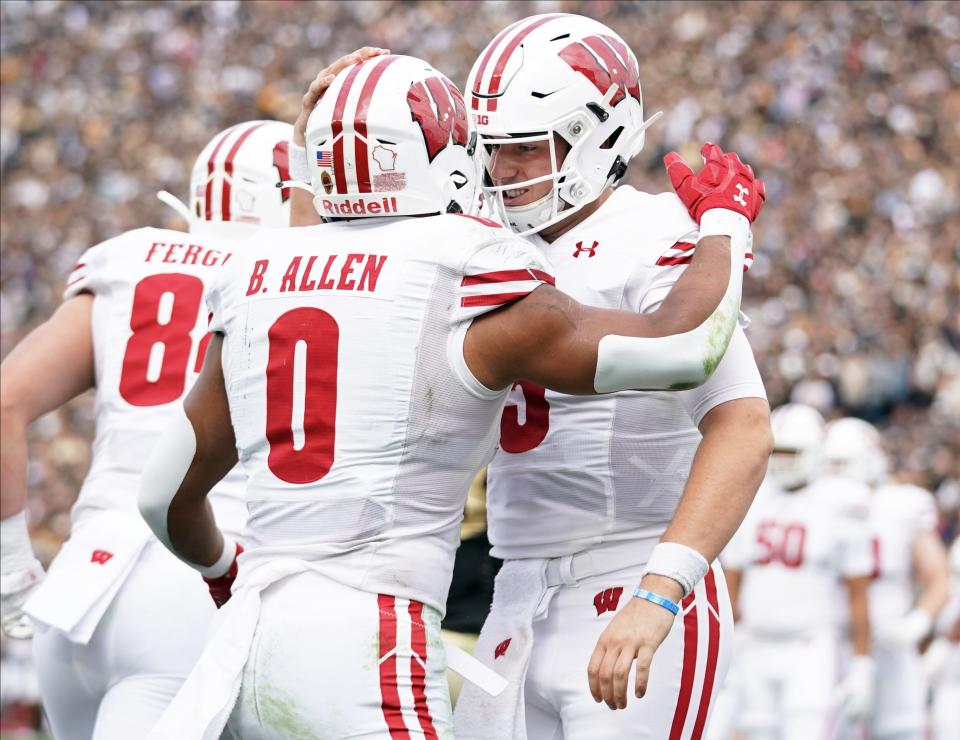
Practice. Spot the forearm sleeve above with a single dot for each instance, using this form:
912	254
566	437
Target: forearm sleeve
680	360
164	472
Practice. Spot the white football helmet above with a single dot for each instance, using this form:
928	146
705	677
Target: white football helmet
233	185
566	75
390	137
853	448
797	442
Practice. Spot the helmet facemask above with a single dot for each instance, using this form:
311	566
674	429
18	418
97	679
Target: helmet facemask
565	76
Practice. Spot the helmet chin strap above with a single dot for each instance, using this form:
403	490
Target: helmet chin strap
531	214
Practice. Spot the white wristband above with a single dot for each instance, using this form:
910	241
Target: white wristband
681	563
16	552
299	167
724	222
222	566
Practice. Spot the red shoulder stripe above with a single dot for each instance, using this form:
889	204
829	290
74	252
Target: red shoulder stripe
495	299
506	276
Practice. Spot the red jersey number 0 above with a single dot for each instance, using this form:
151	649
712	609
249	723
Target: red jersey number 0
317	334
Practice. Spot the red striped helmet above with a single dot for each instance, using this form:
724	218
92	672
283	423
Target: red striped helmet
558	75
233	186
390	137
854	448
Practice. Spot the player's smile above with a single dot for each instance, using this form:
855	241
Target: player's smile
519	163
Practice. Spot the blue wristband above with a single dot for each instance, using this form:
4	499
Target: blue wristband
642	593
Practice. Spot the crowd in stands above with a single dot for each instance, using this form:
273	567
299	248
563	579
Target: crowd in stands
849	111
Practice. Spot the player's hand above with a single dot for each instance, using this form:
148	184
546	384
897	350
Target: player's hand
634	633
855	692
322	81
220	588
908	631
723	182
15	588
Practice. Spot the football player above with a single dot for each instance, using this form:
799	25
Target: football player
910	577
118	622
358	370
943	658
797	567
585	493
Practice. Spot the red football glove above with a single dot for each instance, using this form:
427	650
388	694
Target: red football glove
724	182
220	587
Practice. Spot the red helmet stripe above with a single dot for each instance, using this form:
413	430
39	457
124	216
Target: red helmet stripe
339	173
360	122
507	52
486	58
208	194
228	171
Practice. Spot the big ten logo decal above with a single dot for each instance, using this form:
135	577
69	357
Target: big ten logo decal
437	107
607	600
605	61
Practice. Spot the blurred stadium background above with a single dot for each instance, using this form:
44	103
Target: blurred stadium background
849	111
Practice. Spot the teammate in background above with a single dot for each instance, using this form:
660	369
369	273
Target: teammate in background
803	544
118	622
584	500
942	659
365	363
910	577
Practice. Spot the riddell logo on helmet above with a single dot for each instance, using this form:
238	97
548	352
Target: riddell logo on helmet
359	207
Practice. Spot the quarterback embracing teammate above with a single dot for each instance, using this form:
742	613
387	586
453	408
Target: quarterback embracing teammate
363	369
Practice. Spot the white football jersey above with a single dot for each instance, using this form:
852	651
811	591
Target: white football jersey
897	514
795	550
150	333
574	471
355	415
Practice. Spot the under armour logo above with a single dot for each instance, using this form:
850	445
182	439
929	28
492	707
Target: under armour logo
738	198
100	556
590	251
607	600
501	649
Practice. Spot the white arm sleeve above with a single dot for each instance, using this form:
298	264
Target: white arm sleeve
737	376
683	360
165	470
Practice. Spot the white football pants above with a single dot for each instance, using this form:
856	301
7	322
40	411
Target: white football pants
789	686
328	660
685	675
117	686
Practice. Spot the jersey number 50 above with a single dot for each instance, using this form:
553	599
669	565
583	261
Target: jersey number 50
781	543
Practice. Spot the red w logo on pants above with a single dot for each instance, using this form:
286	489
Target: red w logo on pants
100	556
607	600
618	68
448	119
501	649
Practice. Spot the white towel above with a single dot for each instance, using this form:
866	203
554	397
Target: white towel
201	708
518	597
87	574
